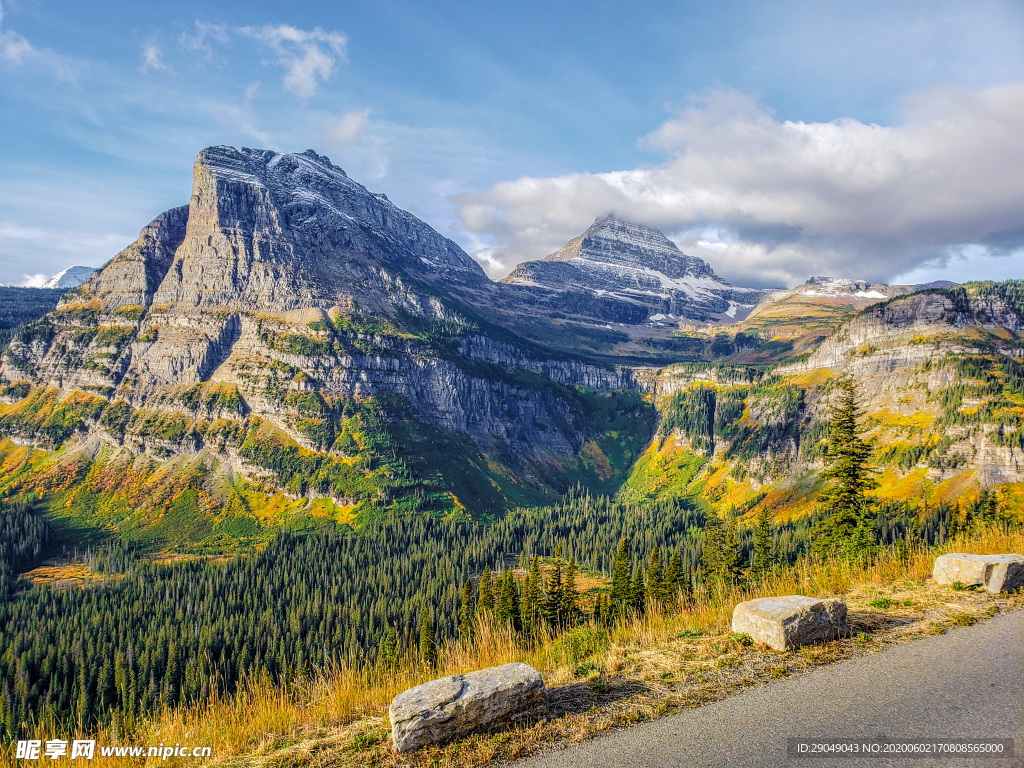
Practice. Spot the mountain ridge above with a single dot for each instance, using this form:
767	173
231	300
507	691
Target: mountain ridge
292	329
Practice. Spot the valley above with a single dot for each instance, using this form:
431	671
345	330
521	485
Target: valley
294	418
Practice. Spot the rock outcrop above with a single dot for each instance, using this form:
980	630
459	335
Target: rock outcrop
996	573
906	332
791	620
438	711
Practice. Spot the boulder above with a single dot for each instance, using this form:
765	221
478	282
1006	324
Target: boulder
790	620
997	573
452	706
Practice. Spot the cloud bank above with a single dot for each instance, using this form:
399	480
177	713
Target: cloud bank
772	202
308	57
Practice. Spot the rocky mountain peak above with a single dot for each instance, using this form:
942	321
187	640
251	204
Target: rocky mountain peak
267	216
634	272
267	237
610	240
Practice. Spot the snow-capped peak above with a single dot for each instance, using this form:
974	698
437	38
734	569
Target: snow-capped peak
72	277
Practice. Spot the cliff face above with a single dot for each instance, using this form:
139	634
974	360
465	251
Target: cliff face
284	278
938	368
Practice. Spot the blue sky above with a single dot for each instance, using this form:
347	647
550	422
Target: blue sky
777	140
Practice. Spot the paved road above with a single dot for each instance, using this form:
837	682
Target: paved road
968	683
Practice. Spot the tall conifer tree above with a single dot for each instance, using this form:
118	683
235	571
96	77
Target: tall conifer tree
763	542
638	591
428	648
531	597
848	526
466	609
655	576
569	608
485	601
620	593
507	611
552	607
388	652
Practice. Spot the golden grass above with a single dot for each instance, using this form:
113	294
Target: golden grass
641	669
69	575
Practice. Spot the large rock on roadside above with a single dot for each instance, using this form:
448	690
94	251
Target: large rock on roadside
997	573
452	706
790	620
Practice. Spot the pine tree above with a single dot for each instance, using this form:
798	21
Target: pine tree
992	507
620	579
466	609
655	577
485	601
731	556
428	649
720	555
507	611
637	591
531	597
552	607
763	542
673	577
569	605
848	527
388	652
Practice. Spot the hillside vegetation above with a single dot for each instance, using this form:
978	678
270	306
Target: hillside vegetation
239	518
601	673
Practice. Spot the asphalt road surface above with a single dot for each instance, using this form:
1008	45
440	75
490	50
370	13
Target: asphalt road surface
967	683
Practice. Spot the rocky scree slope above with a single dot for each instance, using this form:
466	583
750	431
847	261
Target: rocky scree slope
283	291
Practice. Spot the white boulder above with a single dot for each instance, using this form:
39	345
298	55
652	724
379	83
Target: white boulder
790	620
444	709
997	573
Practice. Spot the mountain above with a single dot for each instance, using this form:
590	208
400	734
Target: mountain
628	273
298	422
802	317
940	382
290	344
72	277
290	327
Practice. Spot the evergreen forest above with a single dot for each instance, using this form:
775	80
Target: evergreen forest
155	635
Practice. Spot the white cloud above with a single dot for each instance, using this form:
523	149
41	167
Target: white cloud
201	41
13	47
308	57
791	199
16	50
152	58
33	281
350	127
